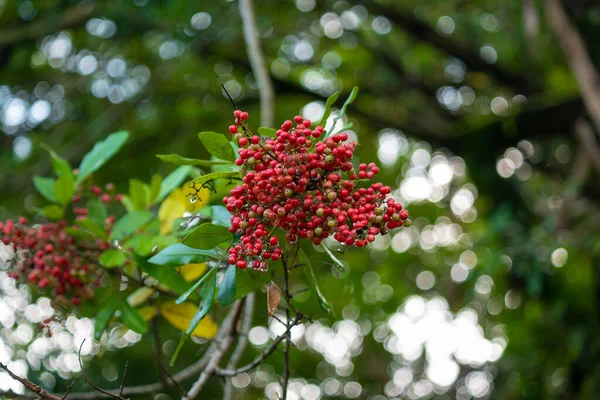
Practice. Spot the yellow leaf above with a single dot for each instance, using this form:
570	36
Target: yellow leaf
177	203
148	312
180	315
140	296
192	272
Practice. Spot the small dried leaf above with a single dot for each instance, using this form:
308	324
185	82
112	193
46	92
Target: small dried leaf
273	297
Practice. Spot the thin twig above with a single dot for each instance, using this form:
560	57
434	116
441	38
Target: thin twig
69	388
216	357
158	350
257	62
92	384
162	368
123	379
229	96
42	394
263	356
238	352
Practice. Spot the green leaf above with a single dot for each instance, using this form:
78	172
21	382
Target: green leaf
207	236
92	227
53	212
79	234
168	277
330	100
227	287
214	176
348	101
180	254
142	244
206	294
59	165
139	194
218	214
64	187
97	211
178	160
271	132
112	258
130	223
173	181
104	315
100	154
248	281
45	186
155	185
336	261
210	275
132	318
323	303
217	145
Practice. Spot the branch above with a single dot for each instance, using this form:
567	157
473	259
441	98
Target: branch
42	394
97	388
71	17
577	57
424	32
242	343
154	387
216	356
263	356
257	62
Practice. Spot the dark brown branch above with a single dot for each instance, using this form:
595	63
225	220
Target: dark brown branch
263	356
93	385
42	394
470	57
578	58
32	31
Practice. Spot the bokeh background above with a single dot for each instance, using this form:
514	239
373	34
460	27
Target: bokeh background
470	107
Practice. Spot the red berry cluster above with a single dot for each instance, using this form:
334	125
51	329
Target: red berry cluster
106	196
51	259
306	186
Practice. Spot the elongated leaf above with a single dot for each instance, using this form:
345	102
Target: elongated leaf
330	100
168	277
139	194
64	187
180	316
178	160
207	236
139	297
112	258
336	261
155	186
323	303
227	287
104	315
132	318
53	212
59	165
180	254
172	181
92	227
206	294
97	211
348	101
218	214
45	186
100	154
208	276
271	132
130	223
214	176
217	145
